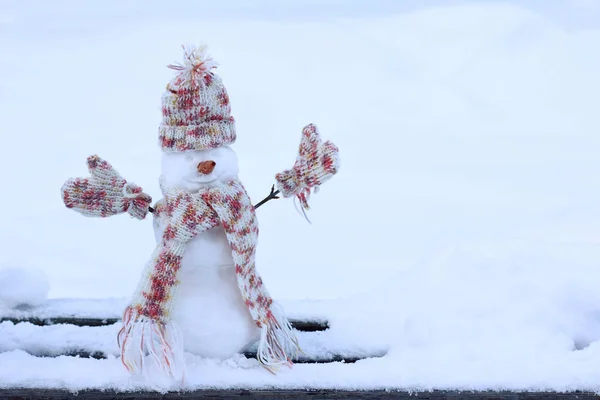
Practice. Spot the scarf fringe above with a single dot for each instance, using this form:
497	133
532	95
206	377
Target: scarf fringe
141	337
278	344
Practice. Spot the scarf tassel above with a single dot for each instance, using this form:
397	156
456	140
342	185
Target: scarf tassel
278	343
141	337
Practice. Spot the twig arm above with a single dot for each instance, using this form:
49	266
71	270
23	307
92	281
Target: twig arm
271	196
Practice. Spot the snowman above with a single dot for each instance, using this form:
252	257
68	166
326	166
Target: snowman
208	307
200	292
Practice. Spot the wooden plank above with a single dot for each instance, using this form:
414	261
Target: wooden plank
99	355
57	394
63	320
300	325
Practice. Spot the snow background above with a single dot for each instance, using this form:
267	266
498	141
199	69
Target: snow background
462	232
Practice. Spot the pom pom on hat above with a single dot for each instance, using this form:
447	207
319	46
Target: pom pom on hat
195	61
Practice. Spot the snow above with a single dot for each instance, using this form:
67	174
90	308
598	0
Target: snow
461	233
23	340
22	287
110	308
83	308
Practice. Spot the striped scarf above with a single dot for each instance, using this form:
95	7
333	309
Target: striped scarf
147	326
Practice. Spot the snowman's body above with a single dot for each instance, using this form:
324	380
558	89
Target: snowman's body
208	306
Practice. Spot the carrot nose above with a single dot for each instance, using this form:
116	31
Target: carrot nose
206	167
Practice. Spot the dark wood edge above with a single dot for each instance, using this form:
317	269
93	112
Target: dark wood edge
56	394
63	320
100	355
299	325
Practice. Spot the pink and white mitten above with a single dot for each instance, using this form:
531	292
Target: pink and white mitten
316	163
105	193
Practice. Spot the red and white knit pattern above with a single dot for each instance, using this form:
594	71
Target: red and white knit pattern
195	107
146	324
316	163
278	343
105	193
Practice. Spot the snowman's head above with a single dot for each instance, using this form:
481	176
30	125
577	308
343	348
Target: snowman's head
194	170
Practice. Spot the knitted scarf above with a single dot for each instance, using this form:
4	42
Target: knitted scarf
147	329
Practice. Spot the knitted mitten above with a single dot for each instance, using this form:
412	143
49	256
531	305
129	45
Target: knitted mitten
316	163
105	193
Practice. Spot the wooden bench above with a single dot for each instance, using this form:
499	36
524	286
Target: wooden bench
71	321
99	314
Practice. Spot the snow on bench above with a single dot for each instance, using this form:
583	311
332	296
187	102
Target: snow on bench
88	328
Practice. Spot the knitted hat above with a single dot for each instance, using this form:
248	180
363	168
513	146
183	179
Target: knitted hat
195	106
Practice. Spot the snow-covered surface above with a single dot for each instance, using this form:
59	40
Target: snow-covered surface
53	340
462	232
113	308
23	287
82	308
